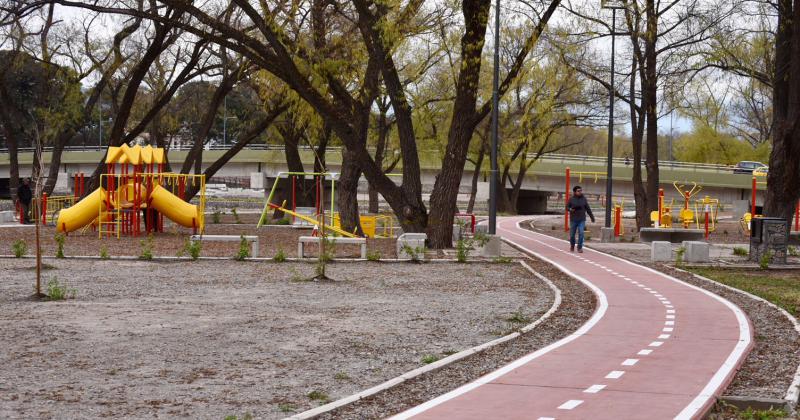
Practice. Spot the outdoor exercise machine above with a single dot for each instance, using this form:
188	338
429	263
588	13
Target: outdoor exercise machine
686	215
134	182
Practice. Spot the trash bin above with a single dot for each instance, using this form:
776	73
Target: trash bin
769	235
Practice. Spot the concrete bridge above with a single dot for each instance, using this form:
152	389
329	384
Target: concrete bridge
546	177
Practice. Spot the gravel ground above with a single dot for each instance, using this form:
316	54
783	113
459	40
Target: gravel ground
208	339
771	365
577	306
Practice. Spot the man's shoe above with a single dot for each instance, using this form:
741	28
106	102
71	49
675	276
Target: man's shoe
580	250
572	248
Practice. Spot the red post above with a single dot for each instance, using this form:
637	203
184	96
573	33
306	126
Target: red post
617	220
44	209
21	213
706	224
797	217
566	200
753	204
76	187
83	184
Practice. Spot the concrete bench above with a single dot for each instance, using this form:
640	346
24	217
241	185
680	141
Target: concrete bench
230	238
414	240
332	239
673	235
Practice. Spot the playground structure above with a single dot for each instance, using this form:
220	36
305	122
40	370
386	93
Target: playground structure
616	219
372	225
135	183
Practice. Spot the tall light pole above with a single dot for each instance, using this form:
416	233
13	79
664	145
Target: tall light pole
493	181
613	5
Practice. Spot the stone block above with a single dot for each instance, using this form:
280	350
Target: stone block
415	241
607	235
660	251
696	251
492	247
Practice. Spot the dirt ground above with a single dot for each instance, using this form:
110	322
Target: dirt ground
167	244
209	339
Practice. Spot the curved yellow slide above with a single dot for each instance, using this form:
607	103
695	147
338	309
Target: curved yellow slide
175	209
83	212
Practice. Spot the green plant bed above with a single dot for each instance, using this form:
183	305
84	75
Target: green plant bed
779	287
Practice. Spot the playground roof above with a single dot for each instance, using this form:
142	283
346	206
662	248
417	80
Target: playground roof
135	155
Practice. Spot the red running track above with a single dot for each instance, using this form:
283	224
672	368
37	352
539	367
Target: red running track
655	348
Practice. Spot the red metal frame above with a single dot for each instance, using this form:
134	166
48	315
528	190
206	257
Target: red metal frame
472	220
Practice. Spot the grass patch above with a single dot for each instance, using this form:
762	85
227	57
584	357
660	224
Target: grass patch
373	256
341	376
286	408
739	251
780	288
429	358
518	318
59	291
318	396
280	256
20	248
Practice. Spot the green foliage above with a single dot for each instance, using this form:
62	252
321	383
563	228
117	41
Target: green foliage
373	256
20	248
429	358
235	216
244	249
60	239
341	376
245	416
286	408
765	260
679	253
771	414
739	251
318	396
792	251
146	248
282	222
192	248
104	253
463	248
706	145
59	291
415	254
503	260
518	317
280	256
215	217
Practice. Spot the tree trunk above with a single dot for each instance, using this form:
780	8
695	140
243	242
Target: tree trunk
55	160
476	176
783	189
650	105
347	191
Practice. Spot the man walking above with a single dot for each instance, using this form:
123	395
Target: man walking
578	208
25	195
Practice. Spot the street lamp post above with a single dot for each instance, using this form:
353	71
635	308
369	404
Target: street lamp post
613	5
493	181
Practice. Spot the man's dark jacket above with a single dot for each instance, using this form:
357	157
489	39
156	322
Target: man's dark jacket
24	194
581	207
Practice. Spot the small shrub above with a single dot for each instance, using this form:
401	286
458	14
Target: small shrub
104	253
518	317
235	216
429	358
503	260
373	256
60	239
282	222
215	217
742	252
414	253
245	416
463	248
679	253
341	376
192	248
280	256
59	291
766	258
318	396
286	408
20	248
147	248
244	250
793	252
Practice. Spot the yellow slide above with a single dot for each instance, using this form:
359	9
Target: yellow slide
89	208
175	209
83	212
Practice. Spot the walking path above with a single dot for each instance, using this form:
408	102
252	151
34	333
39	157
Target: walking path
655	348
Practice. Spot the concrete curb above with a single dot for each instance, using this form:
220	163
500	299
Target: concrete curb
442	362
309	260
793	392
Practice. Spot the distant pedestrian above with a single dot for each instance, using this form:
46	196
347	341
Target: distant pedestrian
578	208
25	195
627	160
